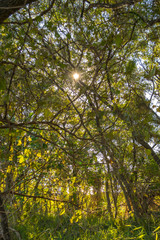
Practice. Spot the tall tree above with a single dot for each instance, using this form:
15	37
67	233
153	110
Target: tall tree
98	131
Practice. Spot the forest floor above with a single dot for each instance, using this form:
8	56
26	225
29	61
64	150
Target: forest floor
40	227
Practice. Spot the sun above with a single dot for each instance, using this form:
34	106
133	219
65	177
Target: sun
76	76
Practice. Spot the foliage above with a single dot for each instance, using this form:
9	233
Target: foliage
91	227
80	146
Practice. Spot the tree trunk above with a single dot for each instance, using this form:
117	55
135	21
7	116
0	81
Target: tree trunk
125	193
8	7
108	199
4	221
133	198
114	194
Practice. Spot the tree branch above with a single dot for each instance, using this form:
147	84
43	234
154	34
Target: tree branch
45	198
7	7
112	5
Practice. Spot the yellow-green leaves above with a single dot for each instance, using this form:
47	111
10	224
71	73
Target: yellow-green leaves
21	159
76	216
19	143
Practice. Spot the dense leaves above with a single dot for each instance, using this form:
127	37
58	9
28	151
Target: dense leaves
88	145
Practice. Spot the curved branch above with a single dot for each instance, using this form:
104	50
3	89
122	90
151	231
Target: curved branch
7	7
112	5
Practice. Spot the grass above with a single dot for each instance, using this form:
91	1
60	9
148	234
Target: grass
40	227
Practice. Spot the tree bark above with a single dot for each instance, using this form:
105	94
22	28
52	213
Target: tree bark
124	192
4	221
114	194
8	7
108	198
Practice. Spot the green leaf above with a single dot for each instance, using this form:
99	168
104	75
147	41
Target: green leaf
152	72
141	236
68	35
2	83
130	67
148	151
118	40
156	229
158	109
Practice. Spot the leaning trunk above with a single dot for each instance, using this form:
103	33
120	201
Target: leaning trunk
4	221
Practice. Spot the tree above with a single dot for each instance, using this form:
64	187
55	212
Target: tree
96	138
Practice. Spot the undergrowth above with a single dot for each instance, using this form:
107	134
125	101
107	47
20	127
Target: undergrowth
40	227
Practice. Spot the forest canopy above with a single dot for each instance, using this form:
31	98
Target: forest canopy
79	109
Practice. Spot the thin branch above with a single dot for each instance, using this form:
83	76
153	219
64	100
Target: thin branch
46	198
112	6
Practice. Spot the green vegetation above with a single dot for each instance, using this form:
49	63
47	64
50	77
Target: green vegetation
92	227
79	119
